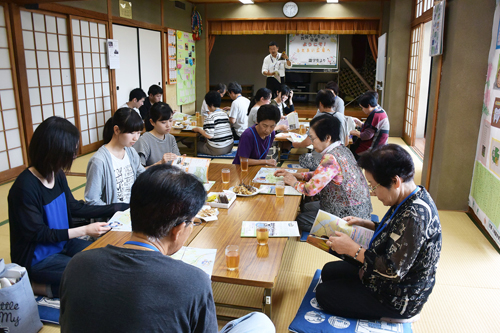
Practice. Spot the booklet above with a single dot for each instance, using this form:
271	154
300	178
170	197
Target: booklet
291	120
326	224
266	175
194	165
294	137
276	229
271	189
204	259
121	221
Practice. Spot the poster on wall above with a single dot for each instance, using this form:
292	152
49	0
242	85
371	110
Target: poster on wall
186	68
172	56
485	190
437	29
313	50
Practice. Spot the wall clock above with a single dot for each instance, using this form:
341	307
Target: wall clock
290	9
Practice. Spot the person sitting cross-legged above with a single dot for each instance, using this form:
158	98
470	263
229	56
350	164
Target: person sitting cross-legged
216	128
138	287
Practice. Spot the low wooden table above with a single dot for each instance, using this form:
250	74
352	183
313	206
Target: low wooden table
179	135
259	265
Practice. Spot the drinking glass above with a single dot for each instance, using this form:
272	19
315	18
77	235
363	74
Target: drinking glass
244	163
232	257
226	176
262	233
280	189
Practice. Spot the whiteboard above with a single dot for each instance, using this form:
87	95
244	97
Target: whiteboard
150	56
313	51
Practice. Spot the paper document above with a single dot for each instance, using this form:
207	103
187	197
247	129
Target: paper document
266	175
291	120
194	165
121	220
276	229
204	259
326	224
294	137
271	189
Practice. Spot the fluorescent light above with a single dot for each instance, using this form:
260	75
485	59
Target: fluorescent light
330	1
247	2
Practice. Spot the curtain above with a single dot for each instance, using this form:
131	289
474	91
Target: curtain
266	27
211	43
372	40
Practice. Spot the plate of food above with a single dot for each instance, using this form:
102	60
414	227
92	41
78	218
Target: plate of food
178	125
208	213
243	190
221	199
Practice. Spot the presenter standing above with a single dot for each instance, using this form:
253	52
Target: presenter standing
274	67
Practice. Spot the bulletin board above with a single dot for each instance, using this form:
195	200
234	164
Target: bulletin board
310	51
485	188
186	68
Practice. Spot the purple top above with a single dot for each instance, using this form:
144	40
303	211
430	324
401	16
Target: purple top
252	146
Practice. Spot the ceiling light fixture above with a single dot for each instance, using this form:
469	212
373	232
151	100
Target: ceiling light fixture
247	2
330	1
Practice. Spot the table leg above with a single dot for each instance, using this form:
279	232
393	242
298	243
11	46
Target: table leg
267	302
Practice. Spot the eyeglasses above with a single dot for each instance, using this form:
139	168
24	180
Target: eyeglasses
195	223
373	188
312	139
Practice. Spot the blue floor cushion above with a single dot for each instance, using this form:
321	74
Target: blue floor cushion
48	309
231	155
312	319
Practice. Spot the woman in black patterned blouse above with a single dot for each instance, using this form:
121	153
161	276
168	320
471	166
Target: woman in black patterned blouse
397	272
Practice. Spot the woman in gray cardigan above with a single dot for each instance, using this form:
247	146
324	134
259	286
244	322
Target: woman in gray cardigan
112	170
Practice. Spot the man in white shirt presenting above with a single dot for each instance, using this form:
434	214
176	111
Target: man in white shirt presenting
274	67
239	109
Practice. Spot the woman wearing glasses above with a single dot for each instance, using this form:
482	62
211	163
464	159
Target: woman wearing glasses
398	269
343	188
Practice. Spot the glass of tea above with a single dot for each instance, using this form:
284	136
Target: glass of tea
280	189
302	130
262	233
244	163
226	176
232	257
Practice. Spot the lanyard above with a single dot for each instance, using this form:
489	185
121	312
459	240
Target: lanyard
383	224
256	143
143	245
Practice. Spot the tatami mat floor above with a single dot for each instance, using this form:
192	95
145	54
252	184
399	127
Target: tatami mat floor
466	297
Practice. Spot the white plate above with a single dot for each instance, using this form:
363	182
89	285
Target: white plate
208	218
245	195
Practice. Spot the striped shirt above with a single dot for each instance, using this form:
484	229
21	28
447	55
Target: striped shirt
218	127
375	130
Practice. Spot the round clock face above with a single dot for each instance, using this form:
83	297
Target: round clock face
290	9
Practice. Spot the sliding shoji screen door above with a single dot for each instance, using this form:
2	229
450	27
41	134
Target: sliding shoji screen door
46	50
12	158
92	79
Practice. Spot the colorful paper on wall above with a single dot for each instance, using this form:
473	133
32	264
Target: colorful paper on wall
172	56
186	68
485	189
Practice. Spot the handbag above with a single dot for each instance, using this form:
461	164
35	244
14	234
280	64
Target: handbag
18	308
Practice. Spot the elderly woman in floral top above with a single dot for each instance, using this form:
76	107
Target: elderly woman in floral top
398	270
339	181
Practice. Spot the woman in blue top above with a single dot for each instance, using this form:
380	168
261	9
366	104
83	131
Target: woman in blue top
43	237
255	141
